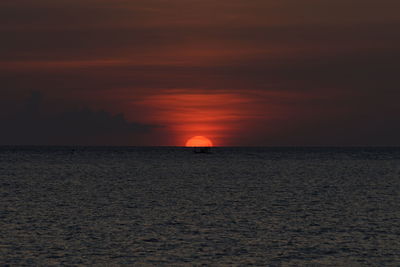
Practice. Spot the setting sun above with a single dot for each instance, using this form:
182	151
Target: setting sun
199	141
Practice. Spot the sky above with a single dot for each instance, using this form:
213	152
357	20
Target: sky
240	72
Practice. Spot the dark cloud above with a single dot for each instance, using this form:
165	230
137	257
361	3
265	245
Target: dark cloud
34	124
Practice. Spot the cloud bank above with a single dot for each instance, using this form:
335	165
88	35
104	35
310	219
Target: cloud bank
33	124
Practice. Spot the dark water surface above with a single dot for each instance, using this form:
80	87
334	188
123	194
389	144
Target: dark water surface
169	206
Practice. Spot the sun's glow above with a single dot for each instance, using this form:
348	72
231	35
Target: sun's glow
199	141
219	115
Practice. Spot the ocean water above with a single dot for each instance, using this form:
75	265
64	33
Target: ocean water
172	207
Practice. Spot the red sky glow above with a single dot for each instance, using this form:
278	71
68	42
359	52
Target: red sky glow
243	73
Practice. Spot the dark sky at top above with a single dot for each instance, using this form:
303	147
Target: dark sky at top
241	72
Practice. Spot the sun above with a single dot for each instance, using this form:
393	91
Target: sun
199	141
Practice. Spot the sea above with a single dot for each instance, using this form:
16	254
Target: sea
168	206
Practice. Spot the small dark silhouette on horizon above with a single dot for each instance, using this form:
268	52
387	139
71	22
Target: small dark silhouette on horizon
205	150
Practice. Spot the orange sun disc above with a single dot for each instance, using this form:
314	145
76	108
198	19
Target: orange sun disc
199	141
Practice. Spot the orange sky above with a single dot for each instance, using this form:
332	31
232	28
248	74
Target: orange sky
240	72
216	115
